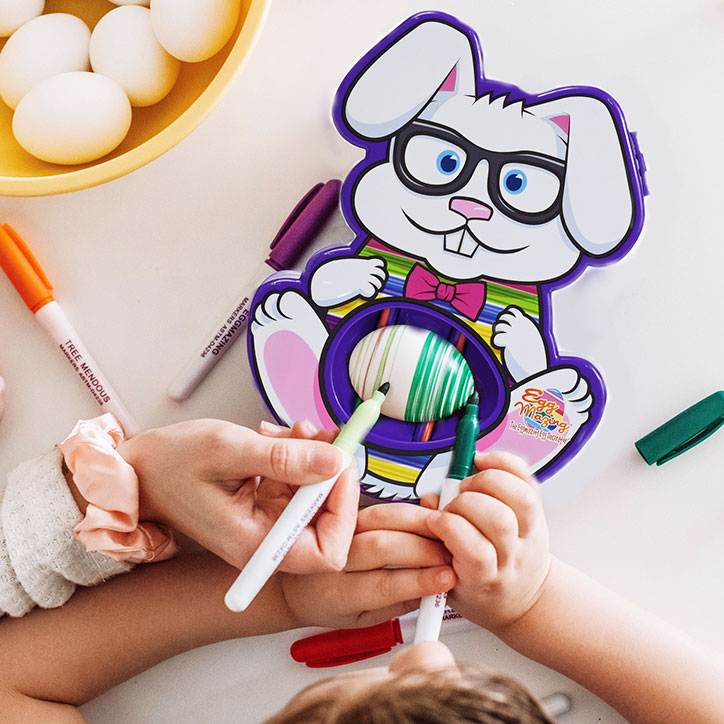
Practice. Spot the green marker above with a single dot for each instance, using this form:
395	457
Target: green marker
302	508
432	608
464	449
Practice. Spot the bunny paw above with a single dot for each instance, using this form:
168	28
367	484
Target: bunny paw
341	280
518	336
563	388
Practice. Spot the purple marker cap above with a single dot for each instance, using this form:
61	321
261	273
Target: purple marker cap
303	224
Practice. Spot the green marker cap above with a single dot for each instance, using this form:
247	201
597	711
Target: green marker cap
684	431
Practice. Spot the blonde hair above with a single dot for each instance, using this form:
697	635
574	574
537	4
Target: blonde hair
474	696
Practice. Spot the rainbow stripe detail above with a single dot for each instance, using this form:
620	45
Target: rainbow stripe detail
498	295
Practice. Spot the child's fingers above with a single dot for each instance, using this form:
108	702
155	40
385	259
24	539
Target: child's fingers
370	618
510	490
430	501
505	461
374	590
469	547
495	520
379	548
394	516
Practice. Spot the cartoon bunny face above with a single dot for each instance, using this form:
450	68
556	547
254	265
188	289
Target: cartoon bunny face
474	188
491	184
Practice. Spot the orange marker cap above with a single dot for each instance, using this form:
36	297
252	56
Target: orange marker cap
23	270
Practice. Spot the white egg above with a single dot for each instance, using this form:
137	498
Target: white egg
429	378
194	30
131	2
72	118
45	46
124	48
14	13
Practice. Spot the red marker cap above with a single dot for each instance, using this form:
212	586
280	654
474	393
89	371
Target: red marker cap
347	645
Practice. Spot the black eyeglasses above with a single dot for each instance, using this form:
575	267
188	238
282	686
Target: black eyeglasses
436	161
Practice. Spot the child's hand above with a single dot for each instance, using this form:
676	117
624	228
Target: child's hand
225	485
497	534
366	593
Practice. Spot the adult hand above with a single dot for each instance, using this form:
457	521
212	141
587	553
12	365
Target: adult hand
225	485
367	591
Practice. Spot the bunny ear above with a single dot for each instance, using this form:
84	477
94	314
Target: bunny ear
433	59
598	207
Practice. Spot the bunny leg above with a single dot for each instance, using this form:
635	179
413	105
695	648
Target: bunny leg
544	415
287	338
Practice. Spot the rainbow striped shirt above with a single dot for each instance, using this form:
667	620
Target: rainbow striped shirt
404	469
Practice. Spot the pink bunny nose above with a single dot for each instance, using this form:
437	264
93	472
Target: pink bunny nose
470	208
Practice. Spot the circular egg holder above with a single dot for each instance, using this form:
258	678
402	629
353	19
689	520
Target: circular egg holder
391	435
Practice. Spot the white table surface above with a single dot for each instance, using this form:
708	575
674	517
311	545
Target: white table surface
145	264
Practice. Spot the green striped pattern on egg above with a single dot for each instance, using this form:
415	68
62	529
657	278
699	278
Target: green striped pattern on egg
429	379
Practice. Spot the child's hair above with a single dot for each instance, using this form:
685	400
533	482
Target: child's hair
473	696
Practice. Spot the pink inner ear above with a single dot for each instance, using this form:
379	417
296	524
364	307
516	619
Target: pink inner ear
563	122
449	83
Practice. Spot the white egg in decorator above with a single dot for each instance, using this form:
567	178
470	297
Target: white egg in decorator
194	30
72	118
124	47
48	45
429	378
14	13
145	3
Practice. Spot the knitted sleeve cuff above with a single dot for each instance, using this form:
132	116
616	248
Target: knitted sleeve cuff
41	560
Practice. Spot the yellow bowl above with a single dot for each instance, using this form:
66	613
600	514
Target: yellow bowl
154	129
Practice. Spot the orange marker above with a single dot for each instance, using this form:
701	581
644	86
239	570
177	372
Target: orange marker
28	278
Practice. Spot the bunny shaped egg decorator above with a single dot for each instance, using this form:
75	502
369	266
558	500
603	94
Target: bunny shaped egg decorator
473	203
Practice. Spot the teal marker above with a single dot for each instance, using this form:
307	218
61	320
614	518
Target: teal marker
432	608
302	508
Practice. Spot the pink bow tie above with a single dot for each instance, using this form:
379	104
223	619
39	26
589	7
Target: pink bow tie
467	297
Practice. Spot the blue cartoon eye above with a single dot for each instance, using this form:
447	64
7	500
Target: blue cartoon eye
515	181
528	188
433	161
448	162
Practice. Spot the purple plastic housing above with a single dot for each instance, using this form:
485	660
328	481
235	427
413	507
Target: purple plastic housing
491	380
341	398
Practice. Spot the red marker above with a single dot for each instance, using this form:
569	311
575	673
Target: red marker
347	645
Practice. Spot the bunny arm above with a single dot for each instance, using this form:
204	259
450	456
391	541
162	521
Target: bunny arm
340	280
520	339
